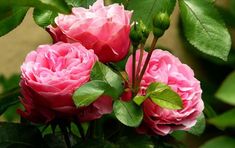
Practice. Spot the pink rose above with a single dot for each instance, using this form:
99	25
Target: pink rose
166	68
50	75
102	28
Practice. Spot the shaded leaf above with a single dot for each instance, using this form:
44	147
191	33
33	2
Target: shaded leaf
8	99
200	126
204	28
55	5
146	9
224	120
95	143
220	142
226	92
17	135
142	141
11	19
55	141
128	113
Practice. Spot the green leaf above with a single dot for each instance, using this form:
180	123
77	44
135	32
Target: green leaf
140	141
139	99
80	3
89	92
95	143
224	120
145	9
156	87
11	19
128	113
226	91
164	96
104	73
54	5
17	135
44	17
8	99
55	141
220	142
204	28
10	83
200	126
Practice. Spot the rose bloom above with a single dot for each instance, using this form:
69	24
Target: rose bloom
165	68
105	29
49	77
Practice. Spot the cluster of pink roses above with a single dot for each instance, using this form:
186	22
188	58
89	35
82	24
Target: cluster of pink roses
52	73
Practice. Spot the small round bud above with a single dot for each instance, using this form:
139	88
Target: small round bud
145	32
161	21
157	32
136	34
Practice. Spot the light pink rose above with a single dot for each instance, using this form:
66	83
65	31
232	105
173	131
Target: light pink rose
49	77
166	68
102	28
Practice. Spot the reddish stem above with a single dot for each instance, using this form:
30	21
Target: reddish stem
154	42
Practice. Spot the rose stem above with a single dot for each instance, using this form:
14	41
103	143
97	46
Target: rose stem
66	135
138	68
133	68
154	42
140	60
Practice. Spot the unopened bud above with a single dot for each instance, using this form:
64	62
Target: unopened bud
158	32
145	32
136	34
161	21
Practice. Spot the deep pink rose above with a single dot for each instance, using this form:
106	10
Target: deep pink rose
102	28
50	75
166	68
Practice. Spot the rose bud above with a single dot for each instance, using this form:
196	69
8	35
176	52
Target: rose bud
165	68
105	29
50	75
161	22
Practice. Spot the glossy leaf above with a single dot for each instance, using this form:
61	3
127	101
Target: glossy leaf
226	92
204	28
139	99
44	17
220	142
164	96
145	9
55	5
11	19
17	135
104	73
128	113
200	126
80	3
224	120
91	91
